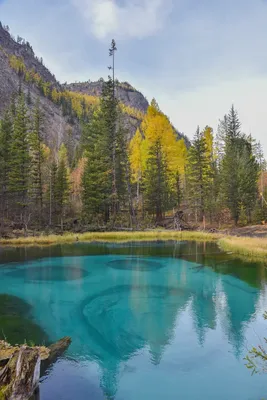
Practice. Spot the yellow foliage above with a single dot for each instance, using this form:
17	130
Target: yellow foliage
55	95
45	151
46	88
156	126
17	63
208	135
80	101
132	112
136	155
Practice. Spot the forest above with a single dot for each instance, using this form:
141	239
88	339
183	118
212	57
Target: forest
109	182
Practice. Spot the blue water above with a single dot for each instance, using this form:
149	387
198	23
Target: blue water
152	321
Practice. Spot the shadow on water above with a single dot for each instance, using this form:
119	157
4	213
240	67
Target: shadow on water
202	253
16	322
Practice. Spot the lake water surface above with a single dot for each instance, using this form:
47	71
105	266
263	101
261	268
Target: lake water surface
148	321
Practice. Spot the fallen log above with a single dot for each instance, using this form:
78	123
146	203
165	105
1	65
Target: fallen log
20	376
20	368
55	351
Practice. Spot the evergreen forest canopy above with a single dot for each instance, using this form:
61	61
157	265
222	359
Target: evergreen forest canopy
112	182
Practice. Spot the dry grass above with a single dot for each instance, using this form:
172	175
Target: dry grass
110	236
252	248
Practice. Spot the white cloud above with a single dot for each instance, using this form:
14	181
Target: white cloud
133	19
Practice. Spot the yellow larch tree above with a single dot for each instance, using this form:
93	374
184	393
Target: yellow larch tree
156	127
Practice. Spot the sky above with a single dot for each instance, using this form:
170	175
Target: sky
197	58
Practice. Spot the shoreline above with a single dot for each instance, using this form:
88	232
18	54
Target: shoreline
120	236
254	248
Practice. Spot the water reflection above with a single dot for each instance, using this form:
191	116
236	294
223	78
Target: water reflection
124	320
118	305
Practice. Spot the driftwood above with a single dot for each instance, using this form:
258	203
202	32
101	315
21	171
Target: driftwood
20	368
20	376
55	351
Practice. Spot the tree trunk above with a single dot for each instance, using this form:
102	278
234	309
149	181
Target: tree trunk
20	377
20	368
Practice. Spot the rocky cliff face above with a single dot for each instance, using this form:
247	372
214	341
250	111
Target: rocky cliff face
58	128
55	125
124	91
23	49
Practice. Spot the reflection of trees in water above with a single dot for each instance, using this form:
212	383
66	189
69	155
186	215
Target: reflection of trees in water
142	313
241	307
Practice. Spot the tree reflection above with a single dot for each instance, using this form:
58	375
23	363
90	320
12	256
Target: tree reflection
140	313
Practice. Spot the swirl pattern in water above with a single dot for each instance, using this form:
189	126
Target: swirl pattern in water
144	324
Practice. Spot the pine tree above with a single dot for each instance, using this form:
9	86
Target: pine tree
157	191
37	159
6	127
229	171
109	110
104	141
121	162
52	193
96	180
212	183
18	176
239	169
248	176
233	125
198	175
62	185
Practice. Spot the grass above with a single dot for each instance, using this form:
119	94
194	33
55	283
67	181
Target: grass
110	236
246	247
252	248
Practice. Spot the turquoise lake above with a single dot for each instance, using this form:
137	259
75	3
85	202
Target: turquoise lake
148	321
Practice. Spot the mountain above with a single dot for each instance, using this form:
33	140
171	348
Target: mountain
62	105
126	93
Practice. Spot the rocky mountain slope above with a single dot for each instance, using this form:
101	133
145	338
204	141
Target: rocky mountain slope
124	91
60	104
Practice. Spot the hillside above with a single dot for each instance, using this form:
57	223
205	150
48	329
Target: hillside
61	105
128	95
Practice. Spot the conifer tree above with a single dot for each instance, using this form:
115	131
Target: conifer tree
109	110
37	159
233	124
62	185
106	159
121	162
96	180
157	191
18	176
199	175
6	127
239	169
52	193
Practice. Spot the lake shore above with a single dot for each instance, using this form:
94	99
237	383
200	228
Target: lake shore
120	236
253	248
245	246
